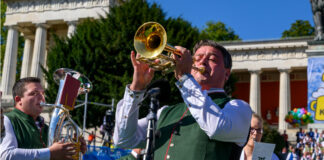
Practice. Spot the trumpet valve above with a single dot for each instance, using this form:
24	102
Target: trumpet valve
77	146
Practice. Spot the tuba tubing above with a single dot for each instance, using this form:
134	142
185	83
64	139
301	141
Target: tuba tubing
60	116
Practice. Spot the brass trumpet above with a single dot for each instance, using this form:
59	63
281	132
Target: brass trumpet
150	41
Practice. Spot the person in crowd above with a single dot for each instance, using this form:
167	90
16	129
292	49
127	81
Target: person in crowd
307	138
311	133
91	137
300	147
316	134
26	133
284	153
299	135
317	153
308	149
256	131
208	125
2	129
292	155
285	137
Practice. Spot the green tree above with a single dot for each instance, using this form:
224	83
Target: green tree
3	34
100	49
298	29
218	31
272	136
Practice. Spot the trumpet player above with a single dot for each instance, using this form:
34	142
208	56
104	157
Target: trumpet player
26	133
207	125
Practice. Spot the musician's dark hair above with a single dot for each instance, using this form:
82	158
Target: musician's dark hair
226	55
19	87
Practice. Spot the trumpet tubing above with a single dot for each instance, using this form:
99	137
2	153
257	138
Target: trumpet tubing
150	41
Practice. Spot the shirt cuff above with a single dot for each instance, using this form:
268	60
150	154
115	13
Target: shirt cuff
134	94
44	154
184	77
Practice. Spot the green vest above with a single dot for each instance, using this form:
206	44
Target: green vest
27	134
189	141
127	157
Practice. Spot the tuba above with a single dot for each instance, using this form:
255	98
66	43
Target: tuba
150	41
62	127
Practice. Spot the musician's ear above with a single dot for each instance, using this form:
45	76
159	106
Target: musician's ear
227	73
17	100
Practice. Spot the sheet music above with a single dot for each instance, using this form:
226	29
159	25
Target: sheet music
263	151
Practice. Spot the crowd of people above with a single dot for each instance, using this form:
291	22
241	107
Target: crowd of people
309	145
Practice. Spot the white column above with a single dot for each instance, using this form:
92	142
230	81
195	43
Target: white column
39	51
72	28
10	62
255	96
27	58
284	98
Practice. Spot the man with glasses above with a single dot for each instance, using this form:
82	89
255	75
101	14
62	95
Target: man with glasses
256	131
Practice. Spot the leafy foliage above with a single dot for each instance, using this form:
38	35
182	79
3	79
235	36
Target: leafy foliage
100	49
298	29
3	34
218	31
273	136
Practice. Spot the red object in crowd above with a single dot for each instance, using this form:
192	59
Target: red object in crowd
91	137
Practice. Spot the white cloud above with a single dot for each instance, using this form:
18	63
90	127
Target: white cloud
318	93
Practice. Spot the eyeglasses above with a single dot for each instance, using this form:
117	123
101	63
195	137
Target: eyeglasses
259	131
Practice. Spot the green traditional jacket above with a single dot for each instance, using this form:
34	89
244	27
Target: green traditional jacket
128	157
189	141
27	134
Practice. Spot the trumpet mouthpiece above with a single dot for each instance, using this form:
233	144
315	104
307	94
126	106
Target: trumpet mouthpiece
201	70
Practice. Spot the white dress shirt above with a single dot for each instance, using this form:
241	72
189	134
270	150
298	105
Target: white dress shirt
230	124
9	147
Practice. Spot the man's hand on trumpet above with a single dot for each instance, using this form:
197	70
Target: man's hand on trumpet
143	74
183	62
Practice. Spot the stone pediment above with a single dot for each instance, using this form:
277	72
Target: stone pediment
282	53
25	6
43	11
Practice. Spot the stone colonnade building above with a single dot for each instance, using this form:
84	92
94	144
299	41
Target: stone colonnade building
36	20
272	75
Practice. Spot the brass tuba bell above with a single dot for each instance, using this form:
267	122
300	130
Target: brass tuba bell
62	127
150	41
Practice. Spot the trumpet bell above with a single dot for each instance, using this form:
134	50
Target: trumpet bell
150	39
85	86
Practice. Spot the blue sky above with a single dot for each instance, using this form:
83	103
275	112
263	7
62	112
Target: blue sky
250	19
